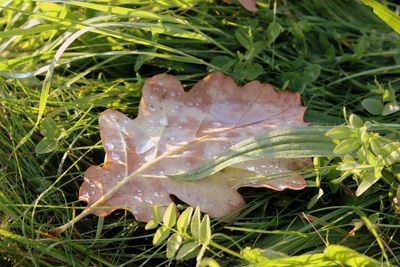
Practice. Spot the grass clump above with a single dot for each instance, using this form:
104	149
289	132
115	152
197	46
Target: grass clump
67	61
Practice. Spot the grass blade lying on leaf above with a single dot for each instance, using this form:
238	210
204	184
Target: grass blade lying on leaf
287	143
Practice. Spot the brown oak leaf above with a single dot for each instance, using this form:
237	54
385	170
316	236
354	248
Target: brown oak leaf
177	131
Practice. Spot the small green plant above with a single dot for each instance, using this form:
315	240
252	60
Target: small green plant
383	103
52	135
298	79
367	156
187	236
243	65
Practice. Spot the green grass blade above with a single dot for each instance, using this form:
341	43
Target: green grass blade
118	10
33	30
384	13
39	246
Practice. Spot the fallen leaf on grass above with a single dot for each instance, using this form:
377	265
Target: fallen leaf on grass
177	131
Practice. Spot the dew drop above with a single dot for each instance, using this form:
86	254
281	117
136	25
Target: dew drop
251	168
143	147
207	155
105	116
216	124
123	129
138	198
176	108
93	192
148	200
115	156
163	121
280	186
109	146
172	138
172	94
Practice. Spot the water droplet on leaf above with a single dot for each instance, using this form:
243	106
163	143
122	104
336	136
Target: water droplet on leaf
115	156
251	168
109	146
163	121
216	124
144	146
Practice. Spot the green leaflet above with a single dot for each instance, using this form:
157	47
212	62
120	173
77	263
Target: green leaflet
286	143
169	218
